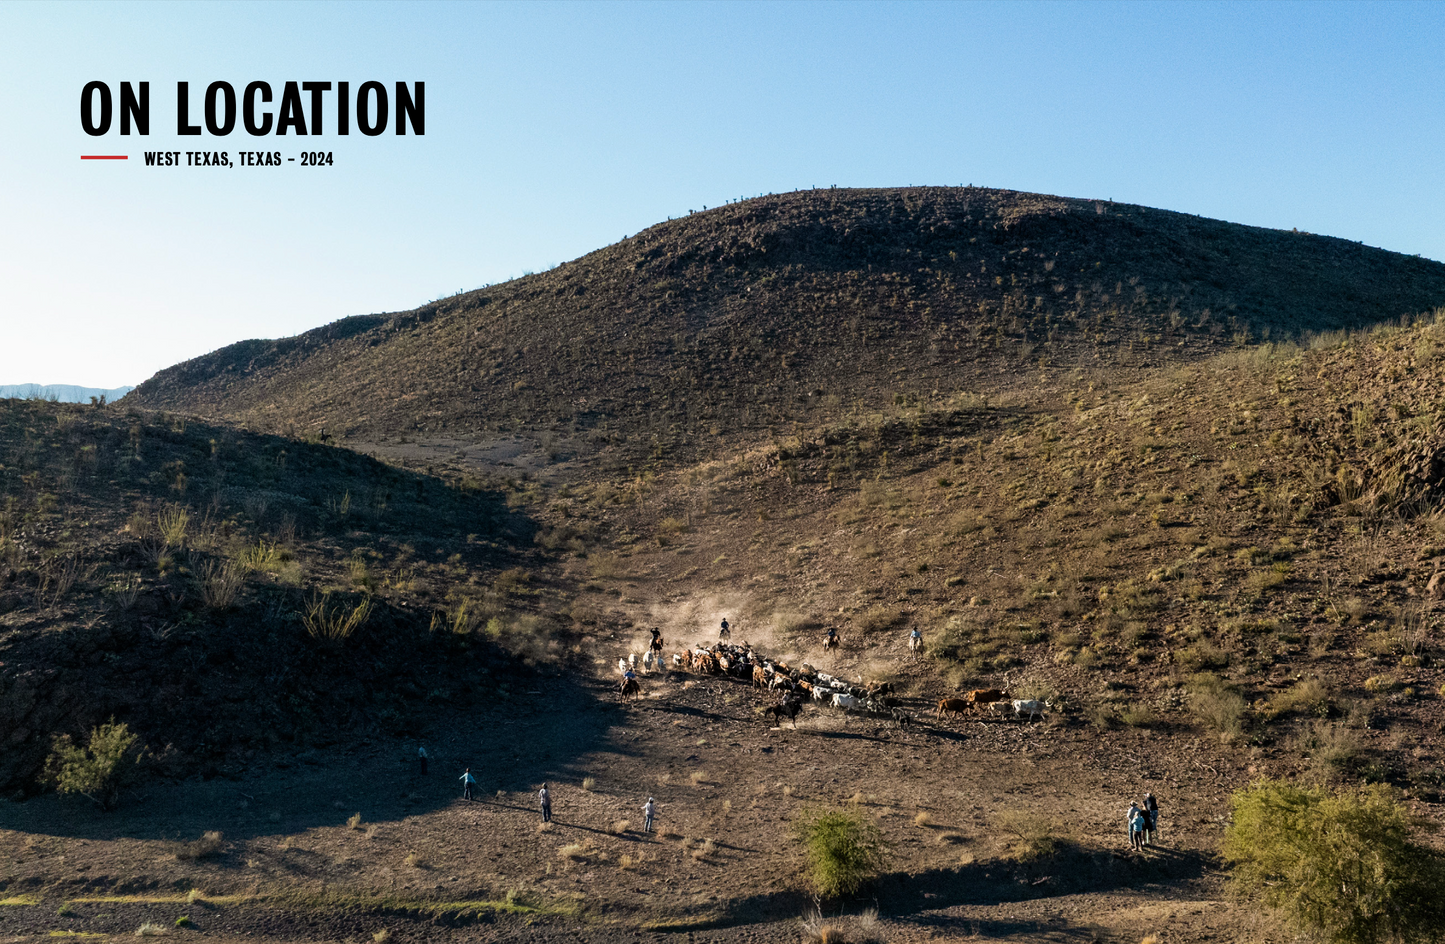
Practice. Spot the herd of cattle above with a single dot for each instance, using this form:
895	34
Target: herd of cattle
800	684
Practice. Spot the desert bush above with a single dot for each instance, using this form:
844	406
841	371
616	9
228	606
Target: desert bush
1031	835
844	849
150	929
263	557
208	845
99	771
1218	706
1333	749
1136	715
1308	696
1381	684
862	929
1341	866
220	583
173	523
1201	656
125	591
330	624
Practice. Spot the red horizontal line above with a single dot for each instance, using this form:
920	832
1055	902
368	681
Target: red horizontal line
105	157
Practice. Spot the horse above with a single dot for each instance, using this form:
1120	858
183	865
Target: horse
630	690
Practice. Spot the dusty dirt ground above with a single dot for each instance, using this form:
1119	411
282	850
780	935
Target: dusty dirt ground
420	863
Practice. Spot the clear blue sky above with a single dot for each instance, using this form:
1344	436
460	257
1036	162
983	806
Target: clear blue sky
552	130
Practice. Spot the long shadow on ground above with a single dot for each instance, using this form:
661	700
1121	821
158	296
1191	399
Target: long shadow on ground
509	743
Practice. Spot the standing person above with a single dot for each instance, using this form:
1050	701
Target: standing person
724	632
544	800
1135	823
648	809
1151	810
421	759
468	781
915	640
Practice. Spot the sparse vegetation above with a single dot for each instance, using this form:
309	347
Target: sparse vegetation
334	623
208	845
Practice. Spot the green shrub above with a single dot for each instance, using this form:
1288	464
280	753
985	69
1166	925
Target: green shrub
1341	866
101	769
844	849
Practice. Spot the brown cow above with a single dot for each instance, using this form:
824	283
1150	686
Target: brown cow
953	706
760	678
985	696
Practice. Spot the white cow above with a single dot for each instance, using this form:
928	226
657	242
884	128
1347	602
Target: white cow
846	702
1030	707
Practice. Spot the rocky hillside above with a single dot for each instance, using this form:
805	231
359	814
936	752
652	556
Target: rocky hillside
226	593
797	306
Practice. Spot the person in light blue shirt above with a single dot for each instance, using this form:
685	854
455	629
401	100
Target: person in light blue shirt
1136	821
468	781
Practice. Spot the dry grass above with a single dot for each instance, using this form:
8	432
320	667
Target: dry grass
208	845
859	929
922	819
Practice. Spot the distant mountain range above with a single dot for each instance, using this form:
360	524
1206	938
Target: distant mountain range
62	393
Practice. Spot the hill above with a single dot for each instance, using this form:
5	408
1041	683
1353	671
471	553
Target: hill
795	307
195	581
